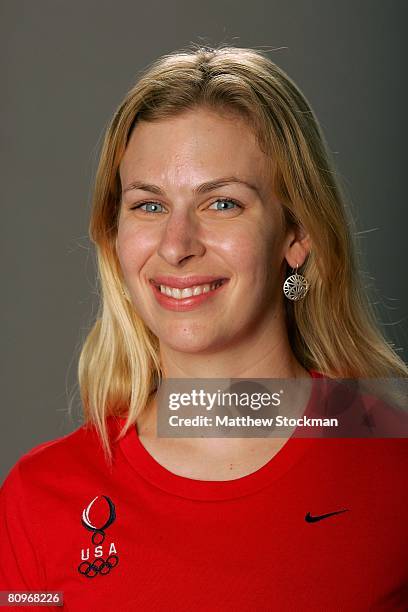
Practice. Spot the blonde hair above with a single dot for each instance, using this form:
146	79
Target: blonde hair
333	330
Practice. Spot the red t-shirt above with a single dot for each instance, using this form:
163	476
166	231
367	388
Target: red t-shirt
166	542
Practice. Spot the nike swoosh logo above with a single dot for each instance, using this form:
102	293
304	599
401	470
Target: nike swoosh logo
313	519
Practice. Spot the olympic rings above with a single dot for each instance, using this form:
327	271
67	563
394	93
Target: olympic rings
98	566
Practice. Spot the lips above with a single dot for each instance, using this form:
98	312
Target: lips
168	291
183	282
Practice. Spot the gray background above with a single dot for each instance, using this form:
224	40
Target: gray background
66	66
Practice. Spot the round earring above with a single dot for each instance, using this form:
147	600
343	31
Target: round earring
295	286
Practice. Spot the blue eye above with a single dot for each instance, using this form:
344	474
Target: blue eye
224	202
222	205
154	207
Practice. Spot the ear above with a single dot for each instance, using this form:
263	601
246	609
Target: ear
297	246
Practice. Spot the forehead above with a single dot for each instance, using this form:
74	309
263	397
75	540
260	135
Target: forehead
194	146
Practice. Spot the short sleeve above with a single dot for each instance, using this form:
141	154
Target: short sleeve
20	563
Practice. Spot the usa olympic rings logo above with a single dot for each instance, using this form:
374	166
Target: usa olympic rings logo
98	566
98	527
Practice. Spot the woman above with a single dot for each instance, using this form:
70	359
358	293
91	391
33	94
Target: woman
214	187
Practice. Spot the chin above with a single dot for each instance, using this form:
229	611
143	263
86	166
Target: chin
187	345
188	339
189	350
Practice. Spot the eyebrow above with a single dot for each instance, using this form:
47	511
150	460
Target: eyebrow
203	188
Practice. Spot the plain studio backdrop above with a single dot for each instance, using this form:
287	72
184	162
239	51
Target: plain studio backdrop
66	65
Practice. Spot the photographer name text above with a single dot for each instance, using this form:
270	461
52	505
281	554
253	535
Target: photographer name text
248	421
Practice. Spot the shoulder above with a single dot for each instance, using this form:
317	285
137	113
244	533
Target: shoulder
57	451
60	458
377	462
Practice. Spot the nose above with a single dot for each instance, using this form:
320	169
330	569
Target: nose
180	240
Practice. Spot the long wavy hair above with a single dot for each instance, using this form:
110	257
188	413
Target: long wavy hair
333	330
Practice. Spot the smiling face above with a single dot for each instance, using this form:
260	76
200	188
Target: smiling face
198	212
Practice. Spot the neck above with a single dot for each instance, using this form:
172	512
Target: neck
263	355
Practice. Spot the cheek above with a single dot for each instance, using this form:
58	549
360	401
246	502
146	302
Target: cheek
249	251
134	246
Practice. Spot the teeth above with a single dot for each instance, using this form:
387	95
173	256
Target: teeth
180	294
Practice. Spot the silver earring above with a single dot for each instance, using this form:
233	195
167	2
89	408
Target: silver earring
295	286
